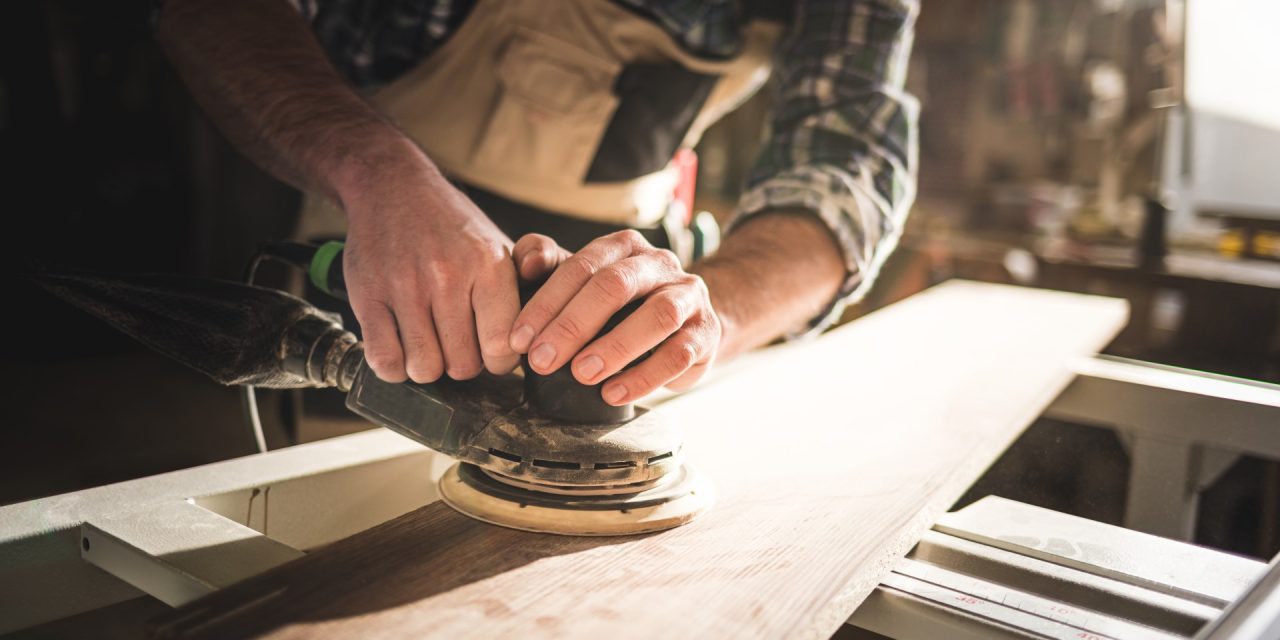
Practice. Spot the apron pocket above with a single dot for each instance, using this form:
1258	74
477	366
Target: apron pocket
554	103
659	103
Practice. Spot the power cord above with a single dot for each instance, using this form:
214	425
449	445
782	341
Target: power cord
303	256
248	393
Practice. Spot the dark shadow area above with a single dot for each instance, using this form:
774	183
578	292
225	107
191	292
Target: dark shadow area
124	621
1060	466
419	555
110	166
1084	471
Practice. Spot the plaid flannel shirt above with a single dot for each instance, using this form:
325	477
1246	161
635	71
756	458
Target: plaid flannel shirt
842	141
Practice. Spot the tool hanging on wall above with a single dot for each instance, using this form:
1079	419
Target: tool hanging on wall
539	453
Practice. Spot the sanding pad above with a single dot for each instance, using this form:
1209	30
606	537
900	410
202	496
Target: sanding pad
676	499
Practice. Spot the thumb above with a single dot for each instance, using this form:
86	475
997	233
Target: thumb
536	256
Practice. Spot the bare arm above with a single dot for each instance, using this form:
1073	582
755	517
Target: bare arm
259	73
772	275
430	277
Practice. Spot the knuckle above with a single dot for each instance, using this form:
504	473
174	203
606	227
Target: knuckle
494	344
382	358
499	366
366	292
567	329
462	363
614	284
404	285
414	335
494	254
423	374
641	382
696	283
667	258
531	239
618	352
627	238
535	315
442	275
668	311
713	328
542	244
580	268
683	356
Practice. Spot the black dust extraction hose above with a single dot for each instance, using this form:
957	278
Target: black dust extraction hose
323	265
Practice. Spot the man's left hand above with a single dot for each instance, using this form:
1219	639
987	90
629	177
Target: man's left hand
587	288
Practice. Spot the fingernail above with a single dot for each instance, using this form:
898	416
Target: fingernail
589	366
614	393
521	337
542	355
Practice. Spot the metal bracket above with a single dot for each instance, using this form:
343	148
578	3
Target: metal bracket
1183	429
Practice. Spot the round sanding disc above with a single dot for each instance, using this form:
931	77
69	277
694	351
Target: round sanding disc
474	493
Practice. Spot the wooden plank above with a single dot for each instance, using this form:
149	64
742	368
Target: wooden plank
831	458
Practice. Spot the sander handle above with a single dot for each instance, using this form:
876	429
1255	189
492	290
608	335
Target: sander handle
557	395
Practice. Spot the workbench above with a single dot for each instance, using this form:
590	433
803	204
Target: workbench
832	458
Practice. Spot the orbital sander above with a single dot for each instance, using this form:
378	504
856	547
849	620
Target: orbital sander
535	452
530	458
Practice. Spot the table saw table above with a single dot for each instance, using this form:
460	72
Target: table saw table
833	459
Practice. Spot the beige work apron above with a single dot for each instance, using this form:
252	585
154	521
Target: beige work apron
517	100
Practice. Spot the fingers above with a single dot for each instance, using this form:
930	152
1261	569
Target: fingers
584	292
423	361
456	328
536	255
381	339
565	283
497	301
688	352
607	292
432	280
408	343
661	315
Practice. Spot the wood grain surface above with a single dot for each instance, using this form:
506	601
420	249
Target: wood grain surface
831	458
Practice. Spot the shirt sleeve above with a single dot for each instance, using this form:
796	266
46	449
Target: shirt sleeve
842	142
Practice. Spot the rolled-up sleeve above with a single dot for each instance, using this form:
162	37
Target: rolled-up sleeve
842	142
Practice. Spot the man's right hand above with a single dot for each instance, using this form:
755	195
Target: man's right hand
429	276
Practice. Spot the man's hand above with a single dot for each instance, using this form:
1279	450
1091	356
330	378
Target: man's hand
588	288
430	278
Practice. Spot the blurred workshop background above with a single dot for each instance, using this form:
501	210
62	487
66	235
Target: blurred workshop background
1128	148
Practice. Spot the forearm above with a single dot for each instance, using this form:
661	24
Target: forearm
771	275
257	70
842	144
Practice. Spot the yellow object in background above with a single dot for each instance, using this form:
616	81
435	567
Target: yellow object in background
1240	243
1266	244
1231	243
